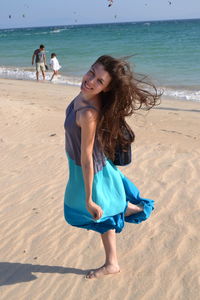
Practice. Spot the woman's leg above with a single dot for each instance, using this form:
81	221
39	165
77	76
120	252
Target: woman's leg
133	209
111	265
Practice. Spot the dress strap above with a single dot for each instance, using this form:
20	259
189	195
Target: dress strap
86	106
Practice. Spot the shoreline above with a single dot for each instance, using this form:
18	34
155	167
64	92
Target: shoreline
176	92
47	82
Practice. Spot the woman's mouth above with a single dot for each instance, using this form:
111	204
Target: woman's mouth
86	86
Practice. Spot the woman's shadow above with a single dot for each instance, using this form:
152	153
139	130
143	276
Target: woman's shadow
11	273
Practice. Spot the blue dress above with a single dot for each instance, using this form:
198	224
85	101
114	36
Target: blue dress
111	190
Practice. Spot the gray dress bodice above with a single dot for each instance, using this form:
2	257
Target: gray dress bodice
73	139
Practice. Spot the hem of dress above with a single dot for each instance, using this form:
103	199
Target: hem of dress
115	222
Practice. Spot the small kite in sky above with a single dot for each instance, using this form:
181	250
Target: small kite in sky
170	3
110	3
9	16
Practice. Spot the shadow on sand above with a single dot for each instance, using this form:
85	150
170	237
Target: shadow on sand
177	109
11	273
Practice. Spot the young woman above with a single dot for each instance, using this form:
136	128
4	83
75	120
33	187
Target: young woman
98	196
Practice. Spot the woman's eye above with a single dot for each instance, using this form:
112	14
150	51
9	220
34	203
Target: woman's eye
100	81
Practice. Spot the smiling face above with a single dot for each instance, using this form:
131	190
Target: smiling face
95	81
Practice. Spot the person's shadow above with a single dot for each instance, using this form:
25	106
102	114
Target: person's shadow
11	273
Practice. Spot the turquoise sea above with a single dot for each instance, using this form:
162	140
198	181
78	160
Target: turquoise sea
167	51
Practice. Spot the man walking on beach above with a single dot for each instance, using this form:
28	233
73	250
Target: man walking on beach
40	59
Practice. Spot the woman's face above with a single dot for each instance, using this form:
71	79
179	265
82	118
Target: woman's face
95	81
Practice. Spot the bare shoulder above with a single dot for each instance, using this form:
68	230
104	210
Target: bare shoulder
87	116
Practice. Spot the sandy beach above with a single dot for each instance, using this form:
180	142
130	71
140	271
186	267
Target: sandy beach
44	258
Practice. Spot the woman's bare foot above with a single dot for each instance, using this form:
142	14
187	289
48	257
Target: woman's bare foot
104	270
133	209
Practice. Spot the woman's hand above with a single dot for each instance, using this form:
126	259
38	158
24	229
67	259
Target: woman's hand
95	210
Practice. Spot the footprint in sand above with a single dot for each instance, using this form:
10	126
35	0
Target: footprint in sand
171	131
35	210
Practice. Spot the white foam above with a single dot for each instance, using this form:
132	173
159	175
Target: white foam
58	30
183	94
29	74
16	73
39	33
55	31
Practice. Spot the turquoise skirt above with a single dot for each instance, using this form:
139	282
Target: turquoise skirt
111	191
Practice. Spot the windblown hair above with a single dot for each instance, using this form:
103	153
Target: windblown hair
127	93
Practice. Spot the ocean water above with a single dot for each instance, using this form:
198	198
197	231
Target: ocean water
167	51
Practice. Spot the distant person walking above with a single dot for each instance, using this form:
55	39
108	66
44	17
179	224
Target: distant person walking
55	66
39	56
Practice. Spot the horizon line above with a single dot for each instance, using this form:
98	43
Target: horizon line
86	24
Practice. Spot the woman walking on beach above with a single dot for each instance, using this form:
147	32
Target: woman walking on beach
98	196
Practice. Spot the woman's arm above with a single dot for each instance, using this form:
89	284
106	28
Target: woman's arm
87	120
33	58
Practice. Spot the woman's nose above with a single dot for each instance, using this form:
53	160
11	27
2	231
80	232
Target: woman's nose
92	80
91	77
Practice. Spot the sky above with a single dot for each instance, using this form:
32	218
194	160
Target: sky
32	13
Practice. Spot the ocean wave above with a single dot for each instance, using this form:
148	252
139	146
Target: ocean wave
55	31
44	32
28	73
7	30
182	93
58	30
16	73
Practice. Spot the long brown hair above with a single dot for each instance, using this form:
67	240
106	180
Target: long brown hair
127	93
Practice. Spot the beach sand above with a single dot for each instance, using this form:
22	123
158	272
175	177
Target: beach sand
42	257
